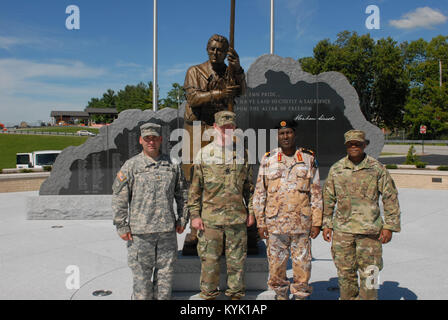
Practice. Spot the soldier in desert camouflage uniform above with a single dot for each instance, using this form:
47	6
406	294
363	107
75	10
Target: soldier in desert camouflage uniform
142	202
220	204
355	183
288	210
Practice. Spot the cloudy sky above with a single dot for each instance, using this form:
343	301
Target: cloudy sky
44	66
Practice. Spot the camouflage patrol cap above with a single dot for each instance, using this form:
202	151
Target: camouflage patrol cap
225	117
355	135
150	129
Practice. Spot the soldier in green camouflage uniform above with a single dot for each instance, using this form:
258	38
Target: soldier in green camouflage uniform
220	204
142	202
357	229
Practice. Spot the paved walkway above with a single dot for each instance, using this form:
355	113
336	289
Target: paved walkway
34	255
433	155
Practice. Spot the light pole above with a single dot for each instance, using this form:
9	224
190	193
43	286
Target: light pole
272	27
154	61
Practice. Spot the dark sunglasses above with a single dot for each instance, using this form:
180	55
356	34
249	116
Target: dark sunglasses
355	144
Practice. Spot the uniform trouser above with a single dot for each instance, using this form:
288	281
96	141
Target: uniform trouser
210	249
279	246
152	255
353	253
188	144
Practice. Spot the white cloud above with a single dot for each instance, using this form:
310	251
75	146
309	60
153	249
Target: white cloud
29	90
303	12
9	42
425	17
246	62
177	69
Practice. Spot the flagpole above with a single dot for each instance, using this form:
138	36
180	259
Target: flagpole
154	62
272	27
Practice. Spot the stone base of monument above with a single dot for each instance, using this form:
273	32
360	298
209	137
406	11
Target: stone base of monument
75	207
187	271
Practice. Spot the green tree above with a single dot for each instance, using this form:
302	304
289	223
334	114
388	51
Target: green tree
427	103
374	69
135	97
109	99
390	86
174	96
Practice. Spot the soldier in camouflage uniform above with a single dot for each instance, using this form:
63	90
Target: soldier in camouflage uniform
354	184
288	209
220	205
142	202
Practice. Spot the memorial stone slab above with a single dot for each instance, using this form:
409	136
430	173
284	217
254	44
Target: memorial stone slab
325	106
90	169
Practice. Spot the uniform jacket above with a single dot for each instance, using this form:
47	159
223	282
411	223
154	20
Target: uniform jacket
221	189
143	194
199	80
288	196
355	189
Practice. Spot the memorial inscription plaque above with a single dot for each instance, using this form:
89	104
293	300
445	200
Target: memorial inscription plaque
324	106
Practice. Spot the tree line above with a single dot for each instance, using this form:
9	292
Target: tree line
399	84
135	97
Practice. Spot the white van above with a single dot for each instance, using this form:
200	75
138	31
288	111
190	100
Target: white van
37	159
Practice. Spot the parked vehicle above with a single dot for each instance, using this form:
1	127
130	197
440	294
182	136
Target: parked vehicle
85	133
36	159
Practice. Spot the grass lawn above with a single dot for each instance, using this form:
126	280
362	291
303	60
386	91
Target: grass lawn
61	129
10	144
391	154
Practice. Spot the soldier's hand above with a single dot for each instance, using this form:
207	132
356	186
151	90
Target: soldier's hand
126	236
385	236
233	59
314	232
180	229
327	234
197	224
250	220
263	233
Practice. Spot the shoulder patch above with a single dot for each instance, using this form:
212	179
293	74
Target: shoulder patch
121	176
311	152
267	154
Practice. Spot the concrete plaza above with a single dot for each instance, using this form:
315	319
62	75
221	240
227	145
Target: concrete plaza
35	255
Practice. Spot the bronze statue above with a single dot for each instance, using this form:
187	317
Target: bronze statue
209	88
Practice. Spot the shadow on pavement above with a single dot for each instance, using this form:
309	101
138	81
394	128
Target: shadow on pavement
325	290
389	290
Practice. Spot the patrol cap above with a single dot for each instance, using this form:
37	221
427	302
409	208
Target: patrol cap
225	117
355	135
150	129
283	124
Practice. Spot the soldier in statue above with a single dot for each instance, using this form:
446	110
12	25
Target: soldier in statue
209	88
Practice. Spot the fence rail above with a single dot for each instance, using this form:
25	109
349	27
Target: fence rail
48	133
415	141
